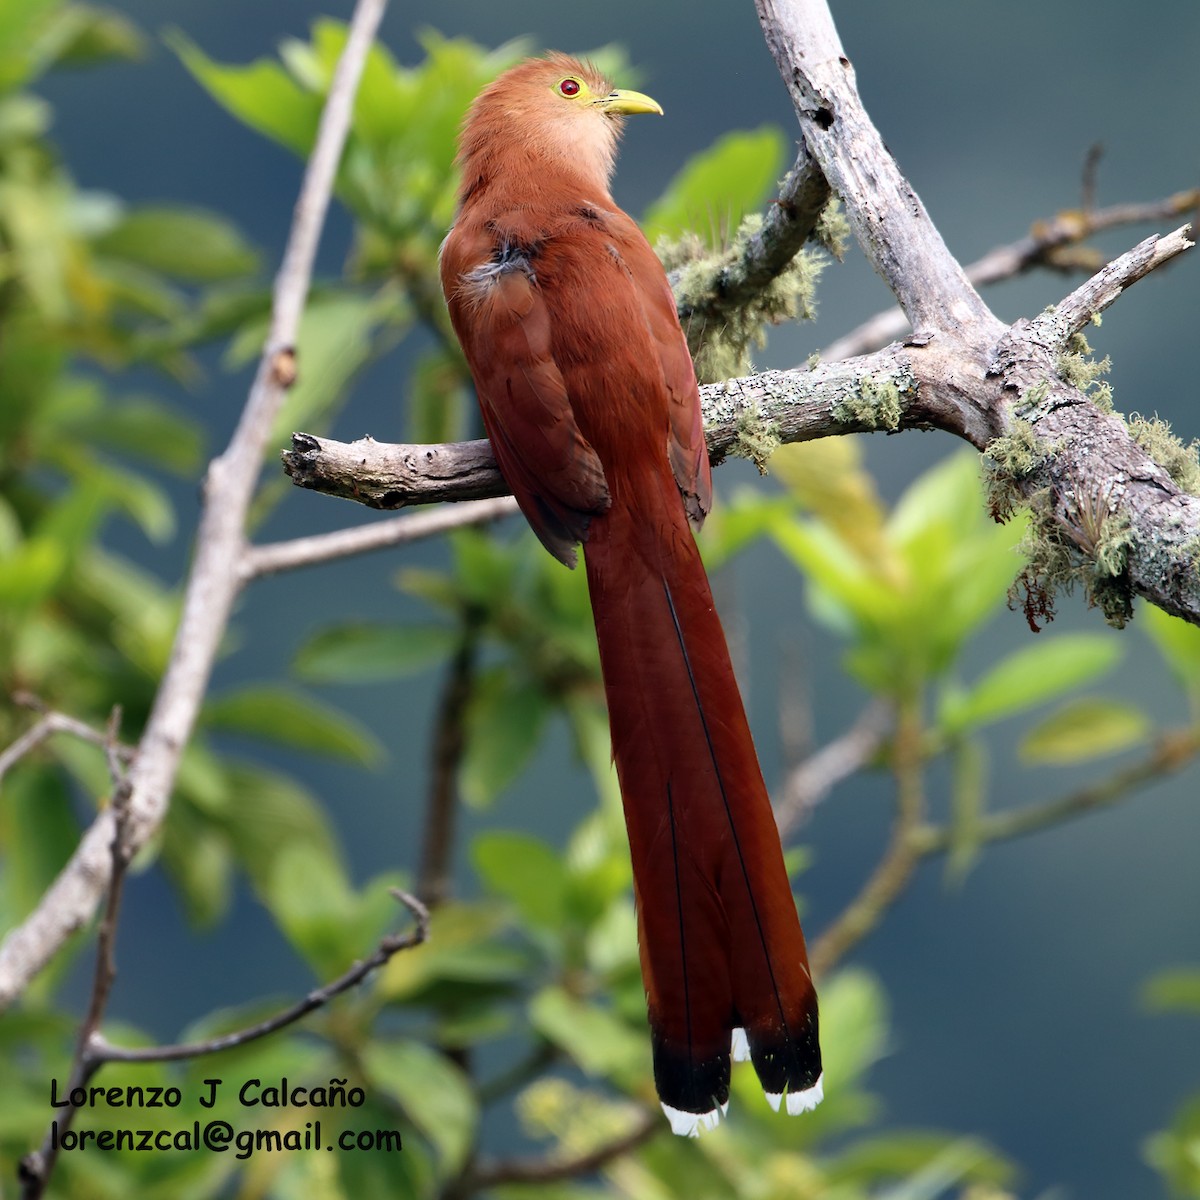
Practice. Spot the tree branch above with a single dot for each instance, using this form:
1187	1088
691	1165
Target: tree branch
36	1168
103	1051
215	577
1093	297
299	552
436	871
47	726
812	780
965	388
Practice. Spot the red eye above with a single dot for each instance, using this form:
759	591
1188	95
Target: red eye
569	87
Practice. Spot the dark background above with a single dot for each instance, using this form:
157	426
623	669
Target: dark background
1015	996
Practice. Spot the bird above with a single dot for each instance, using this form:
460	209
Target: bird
589	398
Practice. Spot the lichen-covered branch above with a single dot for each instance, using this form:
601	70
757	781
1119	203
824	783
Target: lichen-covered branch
762	257
978	389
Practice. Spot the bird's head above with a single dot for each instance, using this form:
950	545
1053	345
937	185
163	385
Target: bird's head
555	109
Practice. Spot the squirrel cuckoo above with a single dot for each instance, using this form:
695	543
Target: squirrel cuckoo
589	398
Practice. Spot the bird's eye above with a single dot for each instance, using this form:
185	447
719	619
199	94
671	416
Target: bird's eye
569	87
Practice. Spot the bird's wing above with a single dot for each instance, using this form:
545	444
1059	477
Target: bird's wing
502	321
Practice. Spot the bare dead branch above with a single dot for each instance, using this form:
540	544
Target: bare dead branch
37	1168
883	209
215	579
1043	246
1094	296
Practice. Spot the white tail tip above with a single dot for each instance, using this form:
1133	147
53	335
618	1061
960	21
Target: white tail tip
687	1124
739	1048
799	1102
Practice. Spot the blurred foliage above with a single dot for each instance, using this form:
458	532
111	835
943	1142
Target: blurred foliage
537	977
1175	1152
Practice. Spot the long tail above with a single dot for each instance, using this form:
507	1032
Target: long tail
723	956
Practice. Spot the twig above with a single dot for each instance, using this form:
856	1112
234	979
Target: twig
1091	169
899	860
37	1168
215	579
449	743
1041	247
274	557
394	943
814	778
1171	753
913	840
554	1170
46	727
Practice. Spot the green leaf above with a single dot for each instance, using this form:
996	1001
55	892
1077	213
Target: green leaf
1031	676
92	34
504	724
1175	1153
188	244
261	95
359	653
595	1038
487	568
31	573
310	897
1178	642
283	715
199	861
527	871
719	186
438	401
883	1158
1177	990
463	948
40	830
1085	729
433	1092
146	504
23	118
957	1161
272	812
